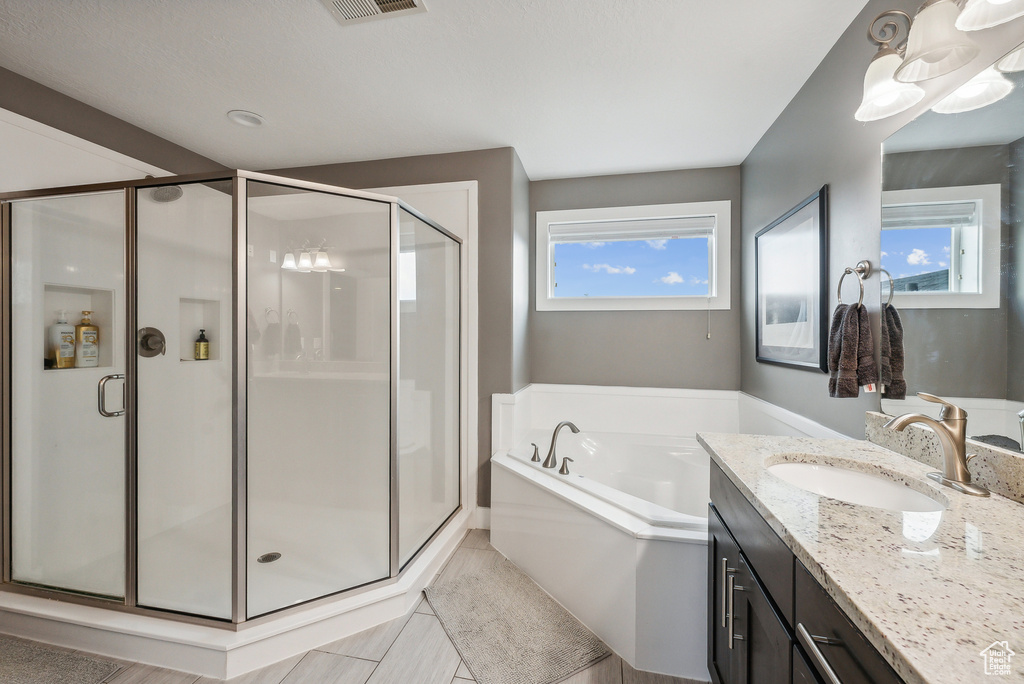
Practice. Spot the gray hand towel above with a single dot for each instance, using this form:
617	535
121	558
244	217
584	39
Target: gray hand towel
867	371
884	353
896	387
843	352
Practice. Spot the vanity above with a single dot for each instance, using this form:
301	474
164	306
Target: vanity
807	588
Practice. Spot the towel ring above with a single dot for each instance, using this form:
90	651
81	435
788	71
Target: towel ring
268	311
892	286
839	290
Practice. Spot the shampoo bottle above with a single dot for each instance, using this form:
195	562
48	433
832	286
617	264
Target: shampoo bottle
87	343
62	342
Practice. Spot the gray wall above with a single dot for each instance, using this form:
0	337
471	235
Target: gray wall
637	348
814	141
28	98
955	352
1015	277
500	179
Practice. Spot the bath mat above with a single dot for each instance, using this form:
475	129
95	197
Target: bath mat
28	663
509	631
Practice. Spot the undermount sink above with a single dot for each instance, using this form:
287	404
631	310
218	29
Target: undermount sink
854	487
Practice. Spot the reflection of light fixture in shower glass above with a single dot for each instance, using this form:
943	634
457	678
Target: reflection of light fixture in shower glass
987	87
288	263
305	262
321	262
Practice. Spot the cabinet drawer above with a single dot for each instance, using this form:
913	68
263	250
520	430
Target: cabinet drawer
851	657
771	559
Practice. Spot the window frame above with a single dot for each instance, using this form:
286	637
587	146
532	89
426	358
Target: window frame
719	259
988	199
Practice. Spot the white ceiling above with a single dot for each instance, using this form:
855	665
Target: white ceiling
576	87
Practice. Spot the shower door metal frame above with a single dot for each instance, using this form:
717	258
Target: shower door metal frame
239	352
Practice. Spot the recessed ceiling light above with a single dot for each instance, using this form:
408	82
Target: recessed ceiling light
244	118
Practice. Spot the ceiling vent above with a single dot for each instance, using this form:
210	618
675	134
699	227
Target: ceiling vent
354	11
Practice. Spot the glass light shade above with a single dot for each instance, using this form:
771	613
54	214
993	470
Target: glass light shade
935	47
305	262
1012	62
322	262
288	263
883	95
983	14
987	87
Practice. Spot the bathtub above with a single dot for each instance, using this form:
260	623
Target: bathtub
621	541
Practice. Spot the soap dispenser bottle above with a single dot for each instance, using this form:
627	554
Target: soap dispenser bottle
202	346
87	343
62	342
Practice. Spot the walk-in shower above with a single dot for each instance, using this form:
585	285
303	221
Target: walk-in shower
307	444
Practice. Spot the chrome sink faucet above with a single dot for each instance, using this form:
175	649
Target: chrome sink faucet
951	429
551	461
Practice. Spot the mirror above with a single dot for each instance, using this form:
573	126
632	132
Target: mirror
953	240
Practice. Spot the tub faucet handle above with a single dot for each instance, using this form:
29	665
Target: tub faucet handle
536	453
564	470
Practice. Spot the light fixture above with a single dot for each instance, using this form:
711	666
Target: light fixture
305	262
987	87
244	118
1012	62
883	94
321	262
983	14
288	262
935	46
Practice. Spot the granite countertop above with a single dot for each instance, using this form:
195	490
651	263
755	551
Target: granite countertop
929	591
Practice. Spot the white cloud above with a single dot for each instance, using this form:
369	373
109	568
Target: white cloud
608	268
918	257
672	278
593	245
943	264
884	254
945	250
697	281
656	244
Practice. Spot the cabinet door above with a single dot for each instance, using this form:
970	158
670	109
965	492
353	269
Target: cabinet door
803	673
759	634
723	563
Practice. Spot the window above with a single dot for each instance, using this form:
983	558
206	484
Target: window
941	246
666	256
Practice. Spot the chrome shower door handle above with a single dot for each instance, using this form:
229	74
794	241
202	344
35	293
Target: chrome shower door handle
101	396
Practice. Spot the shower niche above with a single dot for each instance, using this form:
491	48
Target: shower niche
315	451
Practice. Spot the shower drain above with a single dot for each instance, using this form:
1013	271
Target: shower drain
268	557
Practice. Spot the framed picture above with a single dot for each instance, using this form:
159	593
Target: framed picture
791	285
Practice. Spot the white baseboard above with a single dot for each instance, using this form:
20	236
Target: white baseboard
481	519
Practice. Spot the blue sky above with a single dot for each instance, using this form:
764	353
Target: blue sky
912	251
636	268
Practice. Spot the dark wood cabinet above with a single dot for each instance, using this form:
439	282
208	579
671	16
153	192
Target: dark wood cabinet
769	621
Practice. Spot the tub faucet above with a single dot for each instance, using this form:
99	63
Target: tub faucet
551	461
951	429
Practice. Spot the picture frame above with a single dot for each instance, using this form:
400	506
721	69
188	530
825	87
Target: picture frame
791	287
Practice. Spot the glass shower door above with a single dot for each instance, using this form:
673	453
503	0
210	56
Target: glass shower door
184	397
68	423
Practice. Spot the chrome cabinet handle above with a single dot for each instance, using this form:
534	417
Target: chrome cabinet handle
101	401
811	643
725	574
730	589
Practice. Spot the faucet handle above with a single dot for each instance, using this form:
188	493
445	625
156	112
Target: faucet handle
536	453
564	470
949	411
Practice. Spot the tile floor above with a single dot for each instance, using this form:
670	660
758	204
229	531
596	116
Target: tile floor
413	649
